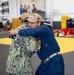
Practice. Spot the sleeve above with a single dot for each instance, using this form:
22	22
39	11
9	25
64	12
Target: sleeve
39	31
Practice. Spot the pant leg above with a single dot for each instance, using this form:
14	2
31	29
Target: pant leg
58	73
12	74
25	73
54	66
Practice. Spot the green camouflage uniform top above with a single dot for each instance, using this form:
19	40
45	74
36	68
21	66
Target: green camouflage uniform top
20	51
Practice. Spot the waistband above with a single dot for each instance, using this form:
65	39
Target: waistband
51	56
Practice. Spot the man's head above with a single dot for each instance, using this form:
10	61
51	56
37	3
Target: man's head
23	17
33	5
34	20
21	6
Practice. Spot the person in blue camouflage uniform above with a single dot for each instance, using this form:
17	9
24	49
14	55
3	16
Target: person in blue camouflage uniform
20	51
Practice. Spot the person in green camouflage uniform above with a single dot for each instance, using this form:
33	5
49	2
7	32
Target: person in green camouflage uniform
20	51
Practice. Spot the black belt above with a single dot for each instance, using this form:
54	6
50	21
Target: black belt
51	56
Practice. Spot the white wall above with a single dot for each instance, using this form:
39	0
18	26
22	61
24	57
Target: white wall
12	9
65	7
48	7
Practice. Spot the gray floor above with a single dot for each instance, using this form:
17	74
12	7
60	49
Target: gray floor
68	59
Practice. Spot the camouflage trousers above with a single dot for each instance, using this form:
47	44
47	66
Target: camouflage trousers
25	73
20	51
